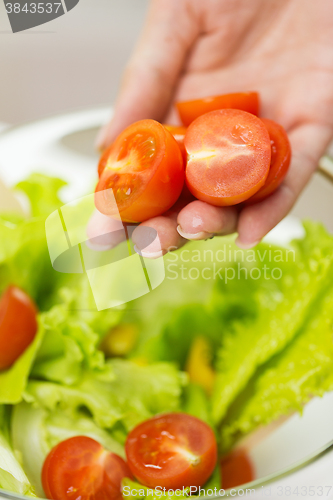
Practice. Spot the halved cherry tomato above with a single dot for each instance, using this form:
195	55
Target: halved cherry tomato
190	110
280	160
229	153
104	159
179	134
18	325
174	450
80	468
144	168
236	469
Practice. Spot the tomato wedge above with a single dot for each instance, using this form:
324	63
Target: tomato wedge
236	469
174	450
280	160
179	134
229	153
145	170
190	110
80	468
18	325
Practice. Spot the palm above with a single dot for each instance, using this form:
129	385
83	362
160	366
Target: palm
284	51
194	48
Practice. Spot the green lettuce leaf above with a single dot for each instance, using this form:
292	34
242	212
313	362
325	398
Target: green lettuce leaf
135	393
288	380
24	256
196	403
35	428
69	347
281	314
12	476
14	380
169	335
42	192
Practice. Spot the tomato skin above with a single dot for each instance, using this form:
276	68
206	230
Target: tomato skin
229	154
104	159
190	110
173	451
18	325
179	134
280	160
145	170
236	469
80	467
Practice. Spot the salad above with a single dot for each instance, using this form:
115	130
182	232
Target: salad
158	393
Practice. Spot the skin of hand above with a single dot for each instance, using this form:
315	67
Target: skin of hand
193	48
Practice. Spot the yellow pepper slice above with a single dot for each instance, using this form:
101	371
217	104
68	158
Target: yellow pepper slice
198	364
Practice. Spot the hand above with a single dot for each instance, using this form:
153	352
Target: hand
195	48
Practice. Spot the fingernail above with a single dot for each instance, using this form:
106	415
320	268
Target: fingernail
149	255
202	235
98	248
246	246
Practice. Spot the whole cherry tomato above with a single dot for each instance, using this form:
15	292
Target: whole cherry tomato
18	325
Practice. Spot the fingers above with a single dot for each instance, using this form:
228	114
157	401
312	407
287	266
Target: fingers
152	72
168	237
308	143
199	221
103	232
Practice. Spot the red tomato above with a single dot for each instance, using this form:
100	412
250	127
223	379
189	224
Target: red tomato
80	468
179	134
104	160
174	450
229	153
18	325
144	168
236	469
280	160
190	110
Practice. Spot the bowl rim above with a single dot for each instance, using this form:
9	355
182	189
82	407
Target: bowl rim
253	485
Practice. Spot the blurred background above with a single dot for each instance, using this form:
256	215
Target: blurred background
72	62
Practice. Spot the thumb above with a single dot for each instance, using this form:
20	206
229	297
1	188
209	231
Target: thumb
151	75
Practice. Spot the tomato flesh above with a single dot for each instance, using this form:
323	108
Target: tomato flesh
179	134
280	160
81	469
190	110
144	169
229	154
236	469
174	450
18	325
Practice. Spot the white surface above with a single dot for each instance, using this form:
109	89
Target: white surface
51	146
298	437
73	62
